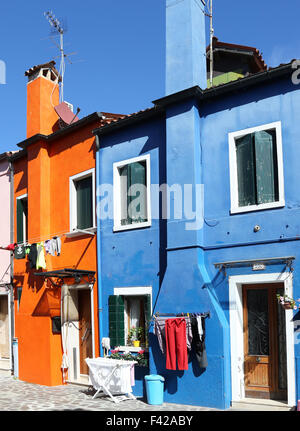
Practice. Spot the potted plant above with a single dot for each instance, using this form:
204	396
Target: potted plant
135	335
141	357
286	302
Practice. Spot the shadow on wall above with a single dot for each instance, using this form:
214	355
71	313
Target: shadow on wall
34	283
171	376
22	183
49	303
70	240
237	98
140	373
18	281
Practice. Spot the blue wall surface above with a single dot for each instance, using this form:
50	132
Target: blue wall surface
190	146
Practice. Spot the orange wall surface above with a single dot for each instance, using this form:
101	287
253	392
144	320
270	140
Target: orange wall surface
42	95
44	174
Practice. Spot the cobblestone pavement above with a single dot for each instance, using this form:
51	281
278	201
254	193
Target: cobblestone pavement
16	395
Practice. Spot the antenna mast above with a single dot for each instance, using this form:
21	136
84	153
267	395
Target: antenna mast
57	27
211	54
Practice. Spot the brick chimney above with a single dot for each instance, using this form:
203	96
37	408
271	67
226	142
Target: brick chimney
42	96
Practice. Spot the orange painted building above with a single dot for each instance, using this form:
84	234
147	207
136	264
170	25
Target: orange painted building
55	281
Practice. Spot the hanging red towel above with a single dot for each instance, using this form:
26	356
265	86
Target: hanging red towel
176	344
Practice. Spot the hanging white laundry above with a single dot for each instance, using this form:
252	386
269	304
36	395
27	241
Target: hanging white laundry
106	345
200	329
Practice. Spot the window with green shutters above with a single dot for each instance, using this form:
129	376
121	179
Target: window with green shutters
132	193
84	198
257	168
126	312
22	219
82	201
257	177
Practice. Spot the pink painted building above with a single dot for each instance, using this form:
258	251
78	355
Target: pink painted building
6	264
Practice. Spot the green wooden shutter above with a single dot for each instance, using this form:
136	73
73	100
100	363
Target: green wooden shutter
147	309
84	191
116	320
20	221
137	175
266	167
123	172
246	171
129	198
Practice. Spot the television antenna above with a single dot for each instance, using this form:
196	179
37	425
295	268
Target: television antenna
58	29
64	109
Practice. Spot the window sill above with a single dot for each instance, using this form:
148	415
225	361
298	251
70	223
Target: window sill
128	349
77	232
251	208
118	228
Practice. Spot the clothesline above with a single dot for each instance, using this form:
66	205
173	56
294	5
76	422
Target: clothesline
37	239
158	314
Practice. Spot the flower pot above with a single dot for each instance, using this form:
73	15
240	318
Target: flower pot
287	306
136	343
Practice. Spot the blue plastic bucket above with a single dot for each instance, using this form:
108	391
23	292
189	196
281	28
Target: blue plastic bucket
155	389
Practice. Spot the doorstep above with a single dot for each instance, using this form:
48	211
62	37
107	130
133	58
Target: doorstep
82	381
256	404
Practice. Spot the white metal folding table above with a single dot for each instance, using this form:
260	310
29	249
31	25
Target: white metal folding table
112	377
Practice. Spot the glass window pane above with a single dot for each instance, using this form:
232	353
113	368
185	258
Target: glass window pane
84	191
266	166
245	171
133	197
22	229
137	192
258	321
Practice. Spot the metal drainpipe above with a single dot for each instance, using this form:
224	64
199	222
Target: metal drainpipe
12	314
99	278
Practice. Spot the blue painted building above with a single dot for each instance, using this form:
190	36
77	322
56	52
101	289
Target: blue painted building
227	242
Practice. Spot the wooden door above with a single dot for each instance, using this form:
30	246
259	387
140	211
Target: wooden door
4	327
264	342
85	328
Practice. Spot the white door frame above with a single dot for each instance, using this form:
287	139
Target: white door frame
236	331
8	294
71	330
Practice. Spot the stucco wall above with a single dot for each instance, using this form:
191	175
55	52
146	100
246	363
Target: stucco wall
179	265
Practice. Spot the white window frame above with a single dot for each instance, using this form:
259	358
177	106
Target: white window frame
237	333
73	202
132	291
25	196
117	193
235	208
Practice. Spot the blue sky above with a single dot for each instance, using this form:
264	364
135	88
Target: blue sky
119	64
